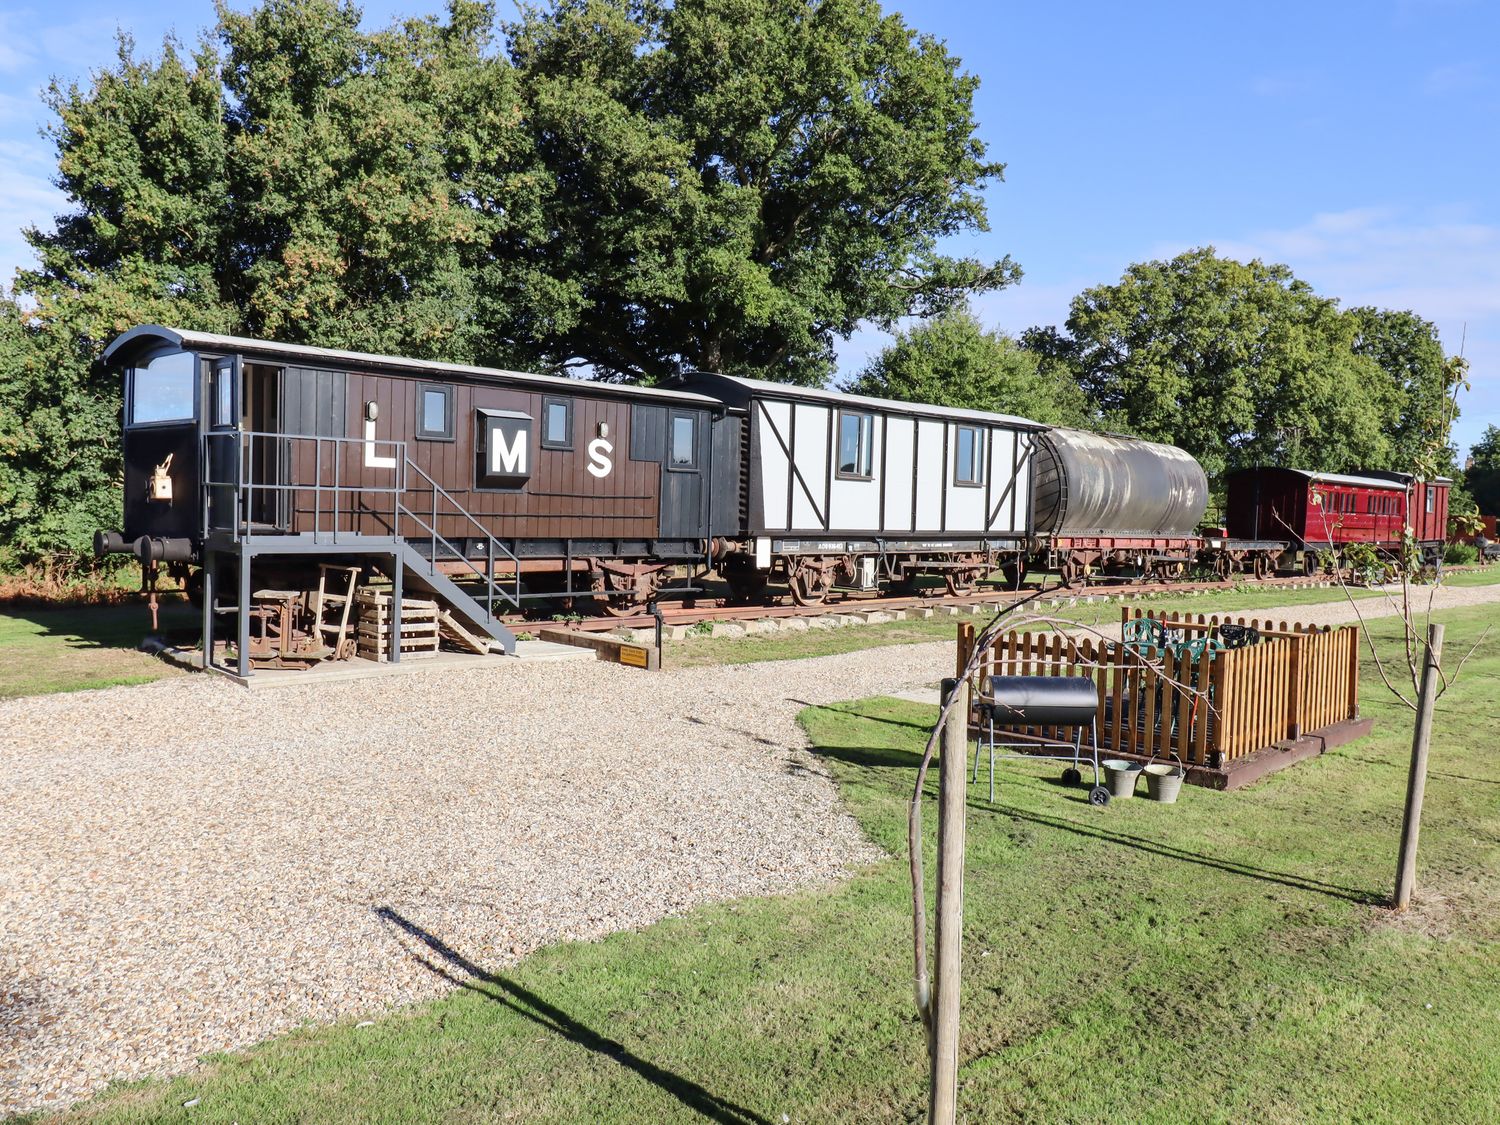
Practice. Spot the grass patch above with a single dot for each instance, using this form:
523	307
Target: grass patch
1217	960
50	650
697	652
1479	576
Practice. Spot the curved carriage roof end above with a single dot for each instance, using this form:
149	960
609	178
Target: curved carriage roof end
148	334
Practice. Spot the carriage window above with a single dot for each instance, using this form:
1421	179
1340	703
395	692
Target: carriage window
1431	498
968	456
162	389
684	441
224	412
435	413
557	423
856	444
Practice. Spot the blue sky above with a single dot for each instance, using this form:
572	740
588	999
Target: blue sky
1358	142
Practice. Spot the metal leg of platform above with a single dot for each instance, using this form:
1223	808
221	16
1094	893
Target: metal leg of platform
209	594
242	643
398	579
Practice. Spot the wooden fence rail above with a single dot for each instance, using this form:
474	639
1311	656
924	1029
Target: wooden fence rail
1156	701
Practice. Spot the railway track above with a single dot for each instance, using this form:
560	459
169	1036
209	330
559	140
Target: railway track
714	609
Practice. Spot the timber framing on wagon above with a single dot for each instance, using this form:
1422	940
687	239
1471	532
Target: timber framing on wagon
246	456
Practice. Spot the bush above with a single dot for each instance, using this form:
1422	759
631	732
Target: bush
1460	554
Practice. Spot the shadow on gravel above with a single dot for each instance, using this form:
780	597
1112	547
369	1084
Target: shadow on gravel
526	1003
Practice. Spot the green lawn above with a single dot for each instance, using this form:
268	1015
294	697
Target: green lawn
1223	959
47	650
1243	599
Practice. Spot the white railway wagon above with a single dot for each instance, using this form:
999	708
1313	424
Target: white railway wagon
840	489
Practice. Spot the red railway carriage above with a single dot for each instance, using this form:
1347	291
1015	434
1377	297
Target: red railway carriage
1317	511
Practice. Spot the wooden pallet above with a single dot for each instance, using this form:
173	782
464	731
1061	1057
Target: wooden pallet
419	626
451	629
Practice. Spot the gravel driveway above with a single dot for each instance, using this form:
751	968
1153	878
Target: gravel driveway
186	867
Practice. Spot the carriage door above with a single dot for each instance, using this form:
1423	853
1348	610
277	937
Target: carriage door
266	452
684	463
223	424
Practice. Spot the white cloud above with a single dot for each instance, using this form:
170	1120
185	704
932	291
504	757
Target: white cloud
15	38
26	199
1286	84
1443	266
1441	263
1455	78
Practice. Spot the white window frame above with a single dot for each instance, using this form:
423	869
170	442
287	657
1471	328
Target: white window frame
977	461
864	446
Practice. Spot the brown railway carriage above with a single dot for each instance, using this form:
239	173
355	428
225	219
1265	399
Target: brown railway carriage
239	450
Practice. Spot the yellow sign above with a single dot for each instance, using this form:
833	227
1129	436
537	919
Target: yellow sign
635	656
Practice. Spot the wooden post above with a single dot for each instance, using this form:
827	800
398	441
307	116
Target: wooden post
952	798
1351	709
1416	780
965	645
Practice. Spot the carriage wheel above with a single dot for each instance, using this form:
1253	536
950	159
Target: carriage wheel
1223	567
624	595
810	585
1262	566
1013	573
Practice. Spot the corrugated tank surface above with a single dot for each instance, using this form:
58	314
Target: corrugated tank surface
1102	484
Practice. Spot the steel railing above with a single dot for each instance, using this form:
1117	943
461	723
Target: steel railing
493	546
339	506
332	517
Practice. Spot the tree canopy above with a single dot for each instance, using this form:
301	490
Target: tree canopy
952	361
630	187
741	182
1243	364
1483	474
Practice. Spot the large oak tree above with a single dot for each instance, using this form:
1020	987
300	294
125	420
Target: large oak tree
739	183
1244	364
629	187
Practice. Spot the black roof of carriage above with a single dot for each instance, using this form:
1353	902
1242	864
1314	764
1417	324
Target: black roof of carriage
154	335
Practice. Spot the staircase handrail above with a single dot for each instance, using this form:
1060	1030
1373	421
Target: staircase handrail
492	545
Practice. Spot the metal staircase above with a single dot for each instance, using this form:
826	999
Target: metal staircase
477	603
249	513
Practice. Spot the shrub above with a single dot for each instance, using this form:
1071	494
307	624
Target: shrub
1459	554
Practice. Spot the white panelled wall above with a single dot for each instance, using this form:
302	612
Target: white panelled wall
807	495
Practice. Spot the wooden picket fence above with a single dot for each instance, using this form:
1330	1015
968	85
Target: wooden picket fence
1224	705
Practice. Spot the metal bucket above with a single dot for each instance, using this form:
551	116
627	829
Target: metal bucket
1122	776
1164	782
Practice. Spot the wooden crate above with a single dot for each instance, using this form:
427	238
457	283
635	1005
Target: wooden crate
419	626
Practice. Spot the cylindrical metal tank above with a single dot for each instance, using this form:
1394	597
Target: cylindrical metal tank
1102	484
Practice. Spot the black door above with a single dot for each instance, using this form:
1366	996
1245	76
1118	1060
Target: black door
225	398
